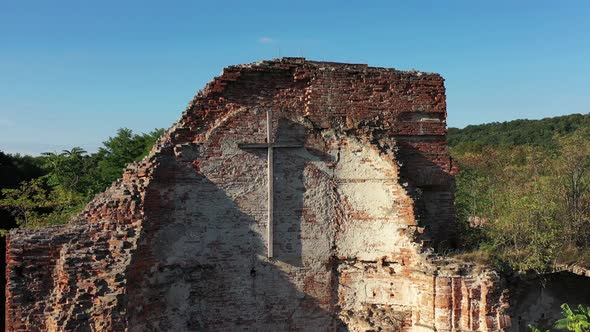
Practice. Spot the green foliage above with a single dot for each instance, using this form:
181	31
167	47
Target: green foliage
524	205
572	175
15	169
539	133
536	329
122	149
56	186
577	320
69	169
35	203
26	200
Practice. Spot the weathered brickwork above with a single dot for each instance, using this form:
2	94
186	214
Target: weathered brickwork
179	244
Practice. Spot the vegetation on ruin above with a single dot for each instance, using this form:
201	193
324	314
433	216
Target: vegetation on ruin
575	320
51	188
525	206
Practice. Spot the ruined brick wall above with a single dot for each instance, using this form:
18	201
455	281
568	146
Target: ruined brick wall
179	242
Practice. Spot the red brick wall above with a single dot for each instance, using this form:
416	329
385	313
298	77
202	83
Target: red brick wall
406	108
178	243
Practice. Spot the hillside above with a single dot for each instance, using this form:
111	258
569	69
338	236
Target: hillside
523	192
519	132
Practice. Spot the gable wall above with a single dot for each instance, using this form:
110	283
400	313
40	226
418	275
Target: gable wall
183	231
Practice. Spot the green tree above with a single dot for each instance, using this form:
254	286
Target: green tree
69	169
35	203
69	179
122	149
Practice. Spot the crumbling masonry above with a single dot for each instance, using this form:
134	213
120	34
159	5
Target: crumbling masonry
179	242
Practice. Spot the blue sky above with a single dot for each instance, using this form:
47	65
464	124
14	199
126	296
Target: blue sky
72	72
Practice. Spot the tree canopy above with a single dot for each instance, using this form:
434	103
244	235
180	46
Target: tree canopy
539	133
49	189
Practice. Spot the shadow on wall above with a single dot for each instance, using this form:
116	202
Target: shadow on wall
289	190
433	190
200	263
538	302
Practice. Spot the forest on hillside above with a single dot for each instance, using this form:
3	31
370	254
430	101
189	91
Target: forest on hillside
539	133
523	193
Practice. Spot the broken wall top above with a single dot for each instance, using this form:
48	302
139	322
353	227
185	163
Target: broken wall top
387	106
342	96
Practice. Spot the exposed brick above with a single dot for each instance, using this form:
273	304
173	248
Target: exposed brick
178	243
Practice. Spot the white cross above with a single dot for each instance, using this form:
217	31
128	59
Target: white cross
269	145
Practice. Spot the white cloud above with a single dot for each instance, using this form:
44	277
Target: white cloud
265	40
